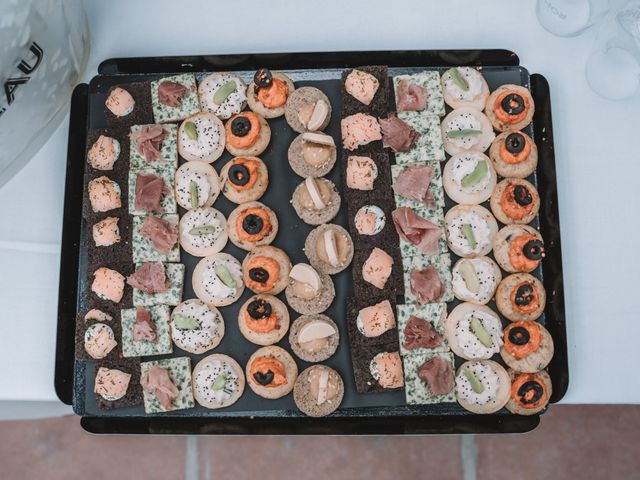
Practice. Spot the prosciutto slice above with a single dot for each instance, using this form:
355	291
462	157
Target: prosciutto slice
148	192
170	93
438	375
426	285
157	382
162	234
410	97
417	230
420	333
398	135
144	328
413	183
148	140
150	278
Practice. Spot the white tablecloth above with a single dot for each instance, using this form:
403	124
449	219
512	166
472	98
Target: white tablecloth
597	162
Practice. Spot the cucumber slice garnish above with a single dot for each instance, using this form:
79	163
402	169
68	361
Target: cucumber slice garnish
473	380
219	382
191	130
479	331
203	230
182	322
458	79
469	276
223	92
467	132
467	231
477	175
193	192
225	276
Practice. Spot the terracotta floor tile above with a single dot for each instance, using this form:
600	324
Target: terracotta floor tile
58	448
577	441
302	458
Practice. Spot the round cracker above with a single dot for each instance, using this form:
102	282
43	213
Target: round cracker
317	217
282	313
503	297
496	198
484	139
479	210
235	367
513	407
198	246
302	168
450	325
466	196
315	305
305	355
478	101
513	170
260	145
279	256
300	97
502	395
198	280
201	341
214	154
233	234
312	254
491	100
501	244
233	104
535	361
258	107
291	371
182	183
309	405
251	194
469	297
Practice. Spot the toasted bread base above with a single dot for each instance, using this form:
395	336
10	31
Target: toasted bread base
260	145
503	297
480	300
318	356
302	168
282	313
214	154
317	217
513	170
501	244
309	405
291	370
299	98
450	327
181	182
315	305
198	287
234	365
258	107
196	251
491	100
457	193
496	205
484	140
233	233
481	211
502	395
536	360
312	254
513	407
252	194
279	256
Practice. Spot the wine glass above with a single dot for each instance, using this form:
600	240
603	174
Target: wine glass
567	18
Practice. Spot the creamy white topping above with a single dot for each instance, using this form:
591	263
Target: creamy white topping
487	377
185	176
233	104
474	80
464	121
479	226
463	166
201	217
213	286
486	279
470	344
208	140
209	373
210	322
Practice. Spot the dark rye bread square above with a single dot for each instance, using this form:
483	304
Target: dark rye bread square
384	200
121	166
142	111
383	181
357	339
124	268
81	328
361	357
379	106
134	391
395	283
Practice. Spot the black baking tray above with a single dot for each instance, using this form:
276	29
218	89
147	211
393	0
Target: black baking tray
364	416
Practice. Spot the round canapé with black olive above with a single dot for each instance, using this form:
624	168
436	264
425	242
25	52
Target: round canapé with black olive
267	95
521	297
247	133
271	372
514	155
530	392
263	319
510	107
244	179
266	270
518	248
527	346
515	200
252	224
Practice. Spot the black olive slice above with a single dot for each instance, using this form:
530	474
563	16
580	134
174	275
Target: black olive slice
252	224
259	275
515	142
240	126
533	249
513	104
263	78
524	295
522	195
526	388
259	309
519	336
239	174
264	378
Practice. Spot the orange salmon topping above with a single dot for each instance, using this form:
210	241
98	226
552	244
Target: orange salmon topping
267	264
503	116
256	237
514	158
252	167
275	95
526	400
516	255
512	208
533	304
264	324
251	137
533	344
266	365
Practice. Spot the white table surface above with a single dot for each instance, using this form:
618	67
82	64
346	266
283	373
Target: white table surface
596	153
